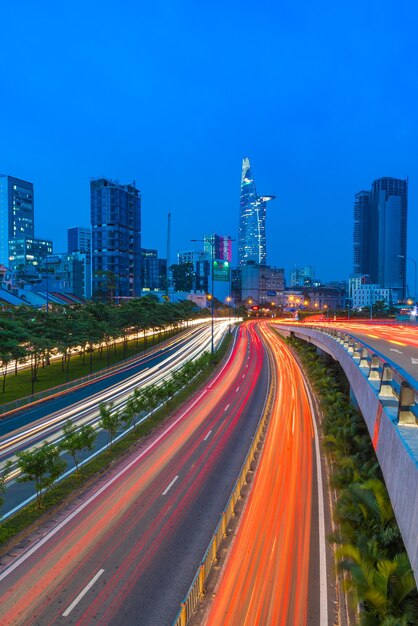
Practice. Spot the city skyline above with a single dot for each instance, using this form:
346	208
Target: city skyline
325	126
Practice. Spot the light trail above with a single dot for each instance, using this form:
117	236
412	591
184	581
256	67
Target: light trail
191	346
124	526
265	578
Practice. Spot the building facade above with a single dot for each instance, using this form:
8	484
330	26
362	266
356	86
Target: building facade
380	234
252	220
150	276
260	283
27	251
79	242
302	276
16	213
116	239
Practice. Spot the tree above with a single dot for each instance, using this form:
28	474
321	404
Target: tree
110	420
3	477
77	439
183	276
42	466
129	412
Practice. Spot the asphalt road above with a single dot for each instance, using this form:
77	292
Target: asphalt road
127	552
276	569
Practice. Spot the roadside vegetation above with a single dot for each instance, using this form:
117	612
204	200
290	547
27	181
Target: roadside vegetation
43	465
88	337
369	549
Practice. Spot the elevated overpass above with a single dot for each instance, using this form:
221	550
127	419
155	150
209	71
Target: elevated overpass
387	396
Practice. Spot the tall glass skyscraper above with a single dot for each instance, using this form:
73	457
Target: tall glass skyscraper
380	233
16	213
116	239
252	220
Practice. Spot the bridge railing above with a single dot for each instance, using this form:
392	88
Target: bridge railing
394	385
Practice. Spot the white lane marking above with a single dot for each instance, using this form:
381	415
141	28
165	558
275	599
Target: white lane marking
237	389
167	489
82	593
414	361
207	435
110	482
395	350
246	365
323	587
243	375
227	407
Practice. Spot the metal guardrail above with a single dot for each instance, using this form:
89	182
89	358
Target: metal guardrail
197	588
393	383
39	396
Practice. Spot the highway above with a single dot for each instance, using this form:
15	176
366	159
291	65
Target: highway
32	425
275	572
126	552
396	342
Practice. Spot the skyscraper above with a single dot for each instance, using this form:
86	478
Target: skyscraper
362	233
16	213
252	220
380	231
116	239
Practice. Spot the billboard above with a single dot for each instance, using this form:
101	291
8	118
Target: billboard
221	271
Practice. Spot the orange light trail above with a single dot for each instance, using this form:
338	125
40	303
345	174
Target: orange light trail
265	578
100	530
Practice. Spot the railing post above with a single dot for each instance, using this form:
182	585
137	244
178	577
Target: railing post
356	350
374	368
406	401
183	614
386	388
364	358
201	579
350	349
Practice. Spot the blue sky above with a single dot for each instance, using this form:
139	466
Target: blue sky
322	97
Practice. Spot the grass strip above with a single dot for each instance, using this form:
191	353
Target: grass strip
19	385
73	485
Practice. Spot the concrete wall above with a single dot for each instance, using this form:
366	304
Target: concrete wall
396	446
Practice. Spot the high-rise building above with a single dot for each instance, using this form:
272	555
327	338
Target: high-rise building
79	243
222	246
16	213
116	239
79	240
252	220
362	232
380	232
150	279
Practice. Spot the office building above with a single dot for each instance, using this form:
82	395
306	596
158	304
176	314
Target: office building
150	271
16	213
380	234
252	220
79	240
116	239
302	276
260	283
28	251
79	243
221	246
201	262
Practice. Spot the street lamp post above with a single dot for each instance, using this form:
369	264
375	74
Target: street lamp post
228	299
408	258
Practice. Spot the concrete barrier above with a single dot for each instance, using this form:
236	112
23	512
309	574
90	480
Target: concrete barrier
386	396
